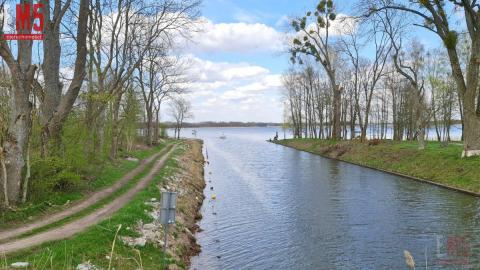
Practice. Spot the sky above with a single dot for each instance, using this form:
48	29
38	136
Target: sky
236	61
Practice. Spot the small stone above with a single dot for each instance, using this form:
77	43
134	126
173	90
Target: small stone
153	215
140	242
133	242
153	199
19	265
149	226
132	159
87	266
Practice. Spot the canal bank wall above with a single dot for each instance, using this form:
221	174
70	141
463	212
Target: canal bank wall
189	182
342	151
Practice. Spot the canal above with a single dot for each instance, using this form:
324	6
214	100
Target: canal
278	208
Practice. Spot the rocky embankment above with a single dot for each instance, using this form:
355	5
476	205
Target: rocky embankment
189	182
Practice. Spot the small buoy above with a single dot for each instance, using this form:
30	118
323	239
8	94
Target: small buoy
211	188
214	197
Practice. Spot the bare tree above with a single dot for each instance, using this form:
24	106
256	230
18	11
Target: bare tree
135	29
180	109
435	16
366	73
159	78
54	105
410	65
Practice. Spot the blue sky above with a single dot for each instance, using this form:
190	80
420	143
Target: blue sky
237	60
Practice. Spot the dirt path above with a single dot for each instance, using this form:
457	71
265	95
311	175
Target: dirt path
69	229
92	199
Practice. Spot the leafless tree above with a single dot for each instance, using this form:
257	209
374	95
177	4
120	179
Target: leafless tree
54	104
180	109
410	64
159	77
366	74
133	30
435	17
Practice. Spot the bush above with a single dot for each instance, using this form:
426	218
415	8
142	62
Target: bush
54	175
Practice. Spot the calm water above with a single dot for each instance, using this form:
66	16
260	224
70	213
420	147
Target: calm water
278	208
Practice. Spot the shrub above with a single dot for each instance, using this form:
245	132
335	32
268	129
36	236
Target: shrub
54	175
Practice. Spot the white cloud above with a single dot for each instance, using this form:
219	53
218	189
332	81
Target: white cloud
224	91
239	37
215	72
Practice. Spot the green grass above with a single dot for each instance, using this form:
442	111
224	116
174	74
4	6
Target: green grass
98	204
95	243
111	173
436	163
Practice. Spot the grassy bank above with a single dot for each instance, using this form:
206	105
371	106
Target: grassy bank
95	244
102	245
43	202
438	164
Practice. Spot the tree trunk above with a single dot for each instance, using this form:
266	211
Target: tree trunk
115	127
55	107
27	175
17	139
471	134
421	138
149	126
337	110
157	126
3	173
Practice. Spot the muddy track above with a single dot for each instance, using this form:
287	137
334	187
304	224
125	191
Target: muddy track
82	205
76	226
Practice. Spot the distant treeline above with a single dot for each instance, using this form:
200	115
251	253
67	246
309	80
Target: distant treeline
224	124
